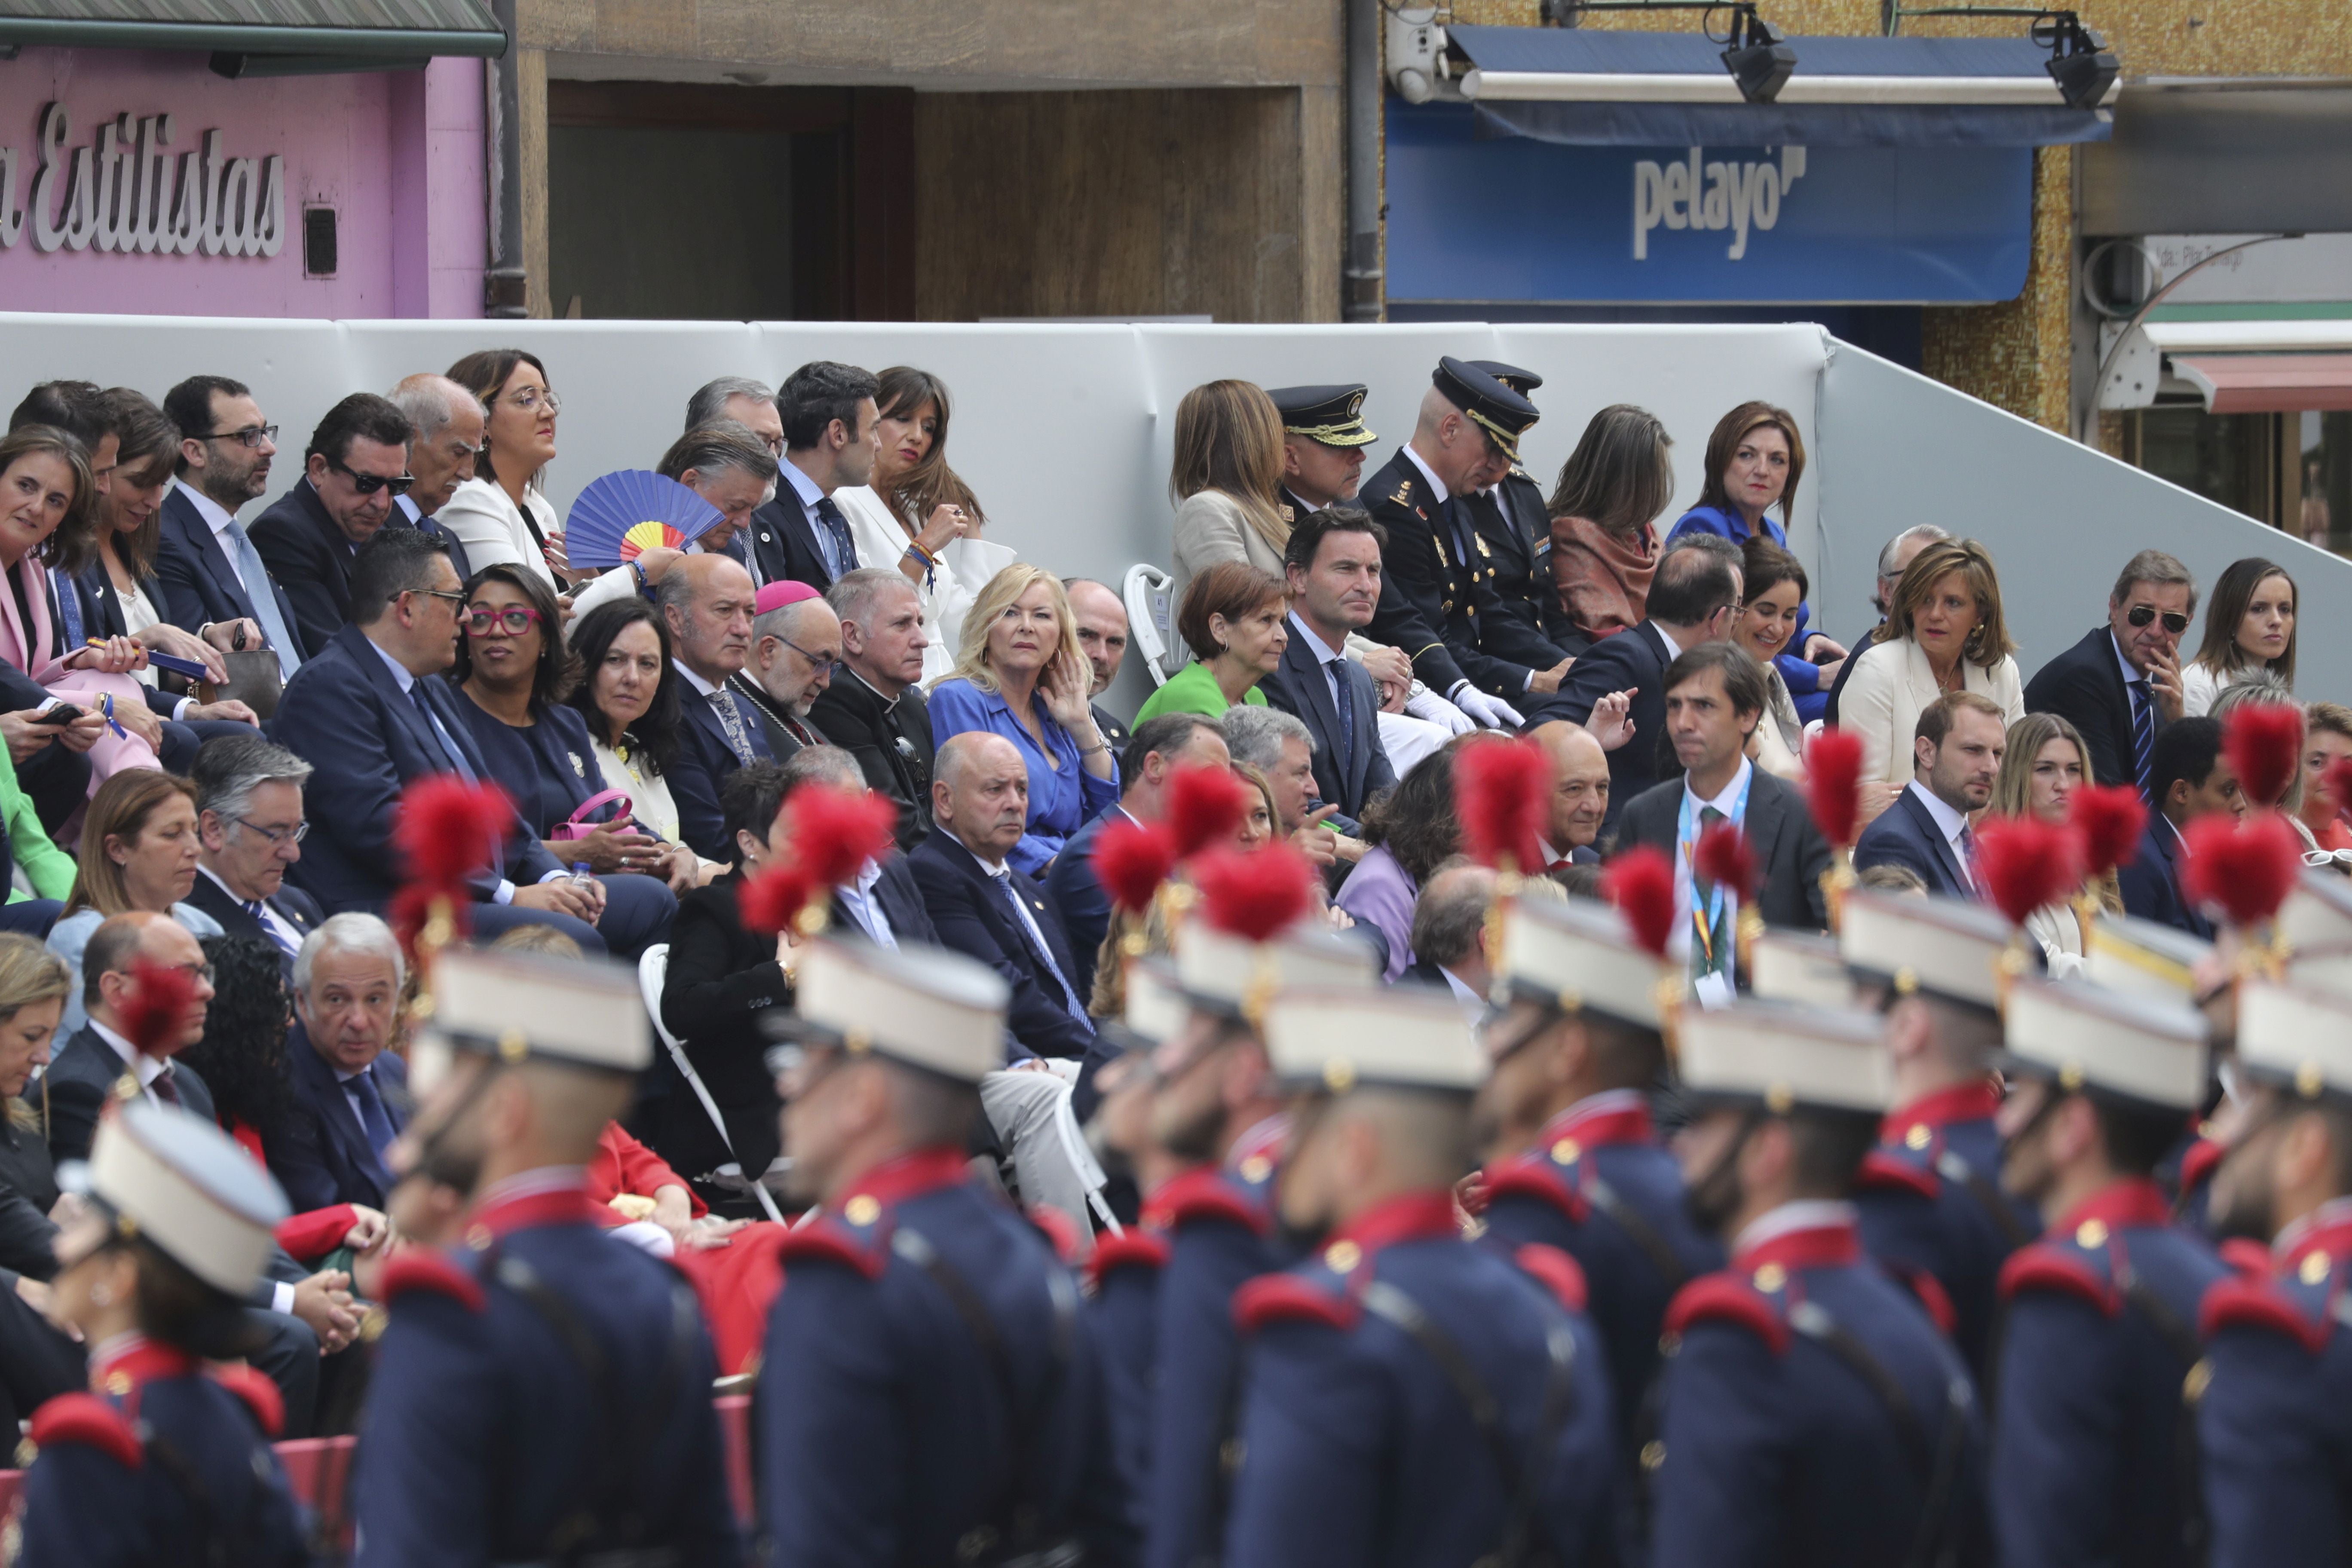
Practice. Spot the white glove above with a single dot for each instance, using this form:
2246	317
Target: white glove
1428	705
1492	712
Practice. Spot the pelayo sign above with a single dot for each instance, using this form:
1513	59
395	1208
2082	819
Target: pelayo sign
128	190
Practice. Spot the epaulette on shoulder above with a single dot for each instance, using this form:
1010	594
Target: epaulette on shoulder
261	1396
2046	1266
1202	1195
1556	1271
2232	1304
2247	1258
1132	1248
422	1268
2199	1161
87	1419
1727	1298
1536	1177
1287	1297
1882	1171
825	1240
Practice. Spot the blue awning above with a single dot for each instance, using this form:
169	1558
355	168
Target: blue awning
1599	88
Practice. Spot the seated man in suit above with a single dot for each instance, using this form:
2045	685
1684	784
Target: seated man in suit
827	417
1449	934
1692	599
1332	566
1714	696
444	435
249	821
2191	778
2120	686
211	573
1156	751
873	708
709	603
1955	756
795	648
349	1096
1282	747
1580	794
372	715
354	469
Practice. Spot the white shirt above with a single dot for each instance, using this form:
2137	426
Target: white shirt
145	1067
1428	473
1686	879
867	909
1674	649
1804	1214
704	687
1474	1006
270	916
1950	823
220	522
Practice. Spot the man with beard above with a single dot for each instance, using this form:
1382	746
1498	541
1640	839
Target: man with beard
2092	1446
1812	1413
542	1326
796	649
932	1378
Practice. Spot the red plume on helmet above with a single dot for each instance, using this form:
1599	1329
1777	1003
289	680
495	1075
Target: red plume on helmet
770	901
1255	895
1206	806
1131	860
833	832
2338	781
156	1006
2027	863
2248	869
1640	883
446	829
2108	819
1833	785
1723	858
1502	796
2263	742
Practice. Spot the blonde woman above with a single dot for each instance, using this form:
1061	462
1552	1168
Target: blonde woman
2044	764
1944	633
33	986
1227	481
1019	673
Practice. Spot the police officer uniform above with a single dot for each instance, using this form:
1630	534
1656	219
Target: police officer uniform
1812	1413
1414	1398
1929	1196
1515	524
1332	415
932	1390
2093	1447
542	1391
167	1462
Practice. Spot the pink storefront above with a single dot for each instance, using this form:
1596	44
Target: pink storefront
313	182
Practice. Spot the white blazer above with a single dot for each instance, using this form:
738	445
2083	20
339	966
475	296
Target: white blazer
491	528
1893	684
964	569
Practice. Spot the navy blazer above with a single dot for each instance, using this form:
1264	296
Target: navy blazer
311	557
321	1155
292	905
1079	898
784	542
704	762
1906	835
405	511
1299	689
1635	658
200	583
81	1080
346	714
2084	686
2151	883
1791	853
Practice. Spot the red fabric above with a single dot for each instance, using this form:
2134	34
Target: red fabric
561	1206
141	1359
1814	1246
1724	1298
2336	1241
1555	1271
1133	1248
1599	1128
311	1236
2230	1303
625	1165
1882	1171
1199	1194
2337	835
2137	1201
909	1176
260	1396
1976	1101
1286	1297
738	1282
2043	1267
422	1268
1602	578
1526	1177
86	1418
1415	1216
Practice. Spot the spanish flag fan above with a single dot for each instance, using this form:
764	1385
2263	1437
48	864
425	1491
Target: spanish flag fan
622	515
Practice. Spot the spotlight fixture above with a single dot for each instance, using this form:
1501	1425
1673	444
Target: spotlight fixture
2079	61
1759	61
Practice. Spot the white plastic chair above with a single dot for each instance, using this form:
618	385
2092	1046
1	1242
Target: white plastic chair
1148	592
653	968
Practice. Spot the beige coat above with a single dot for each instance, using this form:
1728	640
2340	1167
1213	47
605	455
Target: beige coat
1211	527
1893	684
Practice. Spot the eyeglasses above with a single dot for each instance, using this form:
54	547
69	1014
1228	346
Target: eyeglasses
253	436
368	484
2174	621
530	397
277	835
449	594
514	620
831	666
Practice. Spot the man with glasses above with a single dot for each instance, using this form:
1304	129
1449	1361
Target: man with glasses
795	648
249	822
356	468
728	465
2120	686
214	580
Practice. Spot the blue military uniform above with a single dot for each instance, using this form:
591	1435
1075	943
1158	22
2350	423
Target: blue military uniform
1514	540
932	1390
1366	1362
1123	1282
2093	1448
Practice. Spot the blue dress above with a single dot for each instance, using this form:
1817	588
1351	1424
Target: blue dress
548	765
1063	797
1804	679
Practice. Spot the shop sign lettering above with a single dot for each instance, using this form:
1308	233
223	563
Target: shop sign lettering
128	191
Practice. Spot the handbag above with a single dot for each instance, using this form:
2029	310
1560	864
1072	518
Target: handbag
255	679
577	826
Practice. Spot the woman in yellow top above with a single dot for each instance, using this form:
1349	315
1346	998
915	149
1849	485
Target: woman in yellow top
1234	618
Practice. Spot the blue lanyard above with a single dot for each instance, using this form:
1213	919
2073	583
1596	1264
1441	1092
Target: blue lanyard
1685	854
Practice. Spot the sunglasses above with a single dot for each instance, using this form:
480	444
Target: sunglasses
2174	621
514	620
368	484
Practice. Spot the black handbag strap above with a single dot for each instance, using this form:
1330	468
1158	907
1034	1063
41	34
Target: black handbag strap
1936	1461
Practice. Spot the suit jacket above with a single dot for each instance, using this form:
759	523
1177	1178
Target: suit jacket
321	1155
1791	853
451	545
1078	899
705	760
1862	645
902	906
2151	883
1432	602
367	742
80	1080
971	918
722	977
1114	729
1510	519
28	1190
783	542
2084	686
1635	658
1893	683
292	905
198	579
890	738
1299	689
786	735
1905	834
311	560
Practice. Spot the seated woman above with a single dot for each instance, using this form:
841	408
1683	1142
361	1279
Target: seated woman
139	850
1608	496
1410	833
1775	590
2249	631
2044	764
1020	674
1235	620
628	693
1944	632
47	869
41	1362
514	671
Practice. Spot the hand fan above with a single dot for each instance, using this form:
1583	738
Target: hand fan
622	515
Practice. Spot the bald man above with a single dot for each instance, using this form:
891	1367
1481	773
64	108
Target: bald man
1580	794
1101	615
446	423
707	602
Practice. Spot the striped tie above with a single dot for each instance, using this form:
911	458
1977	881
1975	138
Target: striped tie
2143	734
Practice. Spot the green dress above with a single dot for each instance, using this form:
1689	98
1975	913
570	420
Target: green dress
1192	689
49	868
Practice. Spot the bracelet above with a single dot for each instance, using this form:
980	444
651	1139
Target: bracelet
639	568
921	554
1090	750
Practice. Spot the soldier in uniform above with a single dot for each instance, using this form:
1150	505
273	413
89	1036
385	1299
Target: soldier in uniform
2147	958
1438	600
932	1390
1812	1413
1412	1397
2093	1444
1515	522
542	1394
1323	442
164	1462
1931	1199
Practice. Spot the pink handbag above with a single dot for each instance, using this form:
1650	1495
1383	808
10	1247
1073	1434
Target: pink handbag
573	827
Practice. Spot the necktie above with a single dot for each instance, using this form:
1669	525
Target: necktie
457	758
2143	734
1712	956
373	1122
261	918
1449	512
165	1090
1968	855
1339	672
1043	955
836	528
255	577
730	719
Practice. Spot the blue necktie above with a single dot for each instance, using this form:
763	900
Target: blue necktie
1033	941
373	1122
836	529
1341	701
255	576
2143	734
457	758
730	719
285	943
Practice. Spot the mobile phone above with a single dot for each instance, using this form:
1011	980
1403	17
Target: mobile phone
63	713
